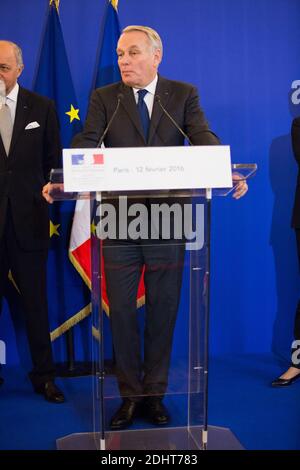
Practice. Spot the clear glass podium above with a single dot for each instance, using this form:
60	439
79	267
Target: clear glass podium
169	332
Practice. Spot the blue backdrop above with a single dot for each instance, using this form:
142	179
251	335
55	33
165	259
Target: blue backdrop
243	55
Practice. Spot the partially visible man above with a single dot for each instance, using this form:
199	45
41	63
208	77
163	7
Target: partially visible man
140	121
293	372
29	148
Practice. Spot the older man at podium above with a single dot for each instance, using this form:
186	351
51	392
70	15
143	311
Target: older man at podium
144	109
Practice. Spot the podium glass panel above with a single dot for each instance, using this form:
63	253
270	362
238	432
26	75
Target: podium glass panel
157	354
149	368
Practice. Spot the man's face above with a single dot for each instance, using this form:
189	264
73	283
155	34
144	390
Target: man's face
138	61
9	68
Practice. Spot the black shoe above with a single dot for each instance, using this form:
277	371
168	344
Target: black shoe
1	380
285	382
123	418
51	392
156	412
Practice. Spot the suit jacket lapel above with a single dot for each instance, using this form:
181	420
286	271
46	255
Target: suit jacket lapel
23	106
162	89
2	150
130	107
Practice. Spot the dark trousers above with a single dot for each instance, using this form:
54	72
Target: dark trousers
297	315
163	263
28	269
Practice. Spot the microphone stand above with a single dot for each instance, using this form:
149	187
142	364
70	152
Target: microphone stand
158	100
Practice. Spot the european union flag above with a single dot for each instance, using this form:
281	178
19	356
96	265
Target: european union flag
68	297
54	78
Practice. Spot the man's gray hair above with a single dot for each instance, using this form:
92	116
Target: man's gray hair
18	52
152	35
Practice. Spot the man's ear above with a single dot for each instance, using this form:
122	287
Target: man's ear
21	68
157	57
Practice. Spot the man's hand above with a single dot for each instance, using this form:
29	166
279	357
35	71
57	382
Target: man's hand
46	191
240	187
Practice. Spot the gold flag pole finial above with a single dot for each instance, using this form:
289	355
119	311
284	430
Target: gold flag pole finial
56	3
114	4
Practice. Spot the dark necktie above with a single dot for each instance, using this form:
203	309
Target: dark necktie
143	111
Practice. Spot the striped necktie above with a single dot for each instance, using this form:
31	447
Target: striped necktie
6	127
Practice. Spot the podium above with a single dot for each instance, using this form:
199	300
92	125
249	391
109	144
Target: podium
153	204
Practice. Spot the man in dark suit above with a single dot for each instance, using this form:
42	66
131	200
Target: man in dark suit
293	372
140	121
29	148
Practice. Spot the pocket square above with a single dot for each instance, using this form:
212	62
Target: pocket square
32	125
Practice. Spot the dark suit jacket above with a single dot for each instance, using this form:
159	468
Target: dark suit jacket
296	148
23	173
180	99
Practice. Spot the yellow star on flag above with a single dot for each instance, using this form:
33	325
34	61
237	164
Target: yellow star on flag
73	113
53	229
93	227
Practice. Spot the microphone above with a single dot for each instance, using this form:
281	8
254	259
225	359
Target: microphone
120	98
157	99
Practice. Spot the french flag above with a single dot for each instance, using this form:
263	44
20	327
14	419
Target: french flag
80	243
80	252
80	247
